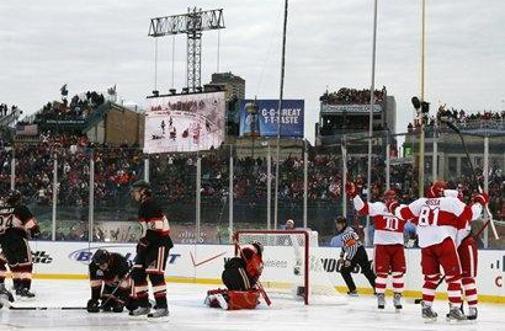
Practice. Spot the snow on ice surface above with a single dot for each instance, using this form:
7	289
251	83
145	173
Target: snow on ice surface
188	313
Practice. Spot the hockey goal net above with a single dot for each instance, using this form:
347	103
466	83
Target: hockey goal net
293	265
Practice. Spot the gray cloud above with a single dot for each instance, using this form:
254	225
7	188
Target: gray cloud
95	44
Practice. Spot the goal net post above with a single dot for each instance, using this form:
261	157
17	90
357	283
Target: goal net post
293	266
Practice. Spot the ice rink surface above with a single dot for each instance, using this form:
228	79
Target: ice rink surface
188	313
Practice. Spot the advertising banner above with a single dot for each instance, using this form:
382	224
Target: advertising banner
205	262
264	123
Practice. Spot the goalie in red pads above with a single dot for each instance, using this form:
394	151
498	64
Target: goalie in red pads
240	276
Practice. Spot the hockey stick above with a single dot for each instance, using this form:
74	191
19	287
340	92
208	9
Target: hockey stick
490	220
111	295
260	287
46	308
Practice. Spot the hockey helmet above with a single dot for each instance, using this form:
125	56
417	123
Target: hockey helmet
140	184
100	257
436	189
258	246
389	195
14	198
341	220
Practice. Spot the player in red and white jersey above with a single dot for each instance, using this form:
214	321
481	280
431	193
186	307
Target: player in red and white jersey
389	252
152	253
438	219
468	257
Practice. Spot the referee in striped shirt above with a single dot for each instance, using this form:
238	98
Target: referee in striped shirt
353	253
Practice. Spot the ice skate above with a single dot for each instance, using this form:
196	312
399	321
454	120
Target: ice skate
381	301
428	314
140	311
24	294
397	301
455	314
472	313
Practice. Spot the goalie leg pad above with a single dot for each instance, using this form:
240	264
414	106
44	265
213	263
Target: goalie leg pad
212	299
235	300
243	299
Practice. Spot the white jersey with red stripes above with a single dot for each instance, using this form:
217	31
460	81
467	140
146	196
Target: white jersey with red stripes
436	218
388	228
465	227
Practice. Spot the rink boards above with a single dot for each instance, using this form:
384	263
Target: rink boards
204	264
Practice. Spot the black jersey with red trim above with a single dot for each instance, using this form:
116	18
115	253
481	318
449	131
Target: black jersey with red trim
117	268
17	221
153	220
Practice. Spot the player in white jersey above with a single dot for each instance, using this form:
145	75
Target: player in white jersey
438	219
468	258
389	252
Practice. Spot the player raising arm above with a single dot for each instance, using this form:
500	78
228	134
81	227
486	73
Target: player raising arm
438	219
389	253
240	276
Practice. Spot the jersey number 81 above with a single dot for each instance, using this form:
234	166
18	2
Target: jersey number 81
428	216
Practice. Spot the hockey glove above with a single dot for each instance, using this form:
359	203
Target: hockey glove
351	190
93	306
392	205
481	198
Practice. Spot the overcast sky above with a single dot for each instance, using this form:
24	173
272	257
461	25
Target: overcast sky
95	44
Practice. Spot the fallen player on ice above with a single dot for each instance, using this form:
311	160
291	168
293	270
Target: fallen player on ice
241	277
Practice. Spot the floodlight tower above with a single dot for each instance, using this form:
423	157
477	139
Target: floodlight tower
193	23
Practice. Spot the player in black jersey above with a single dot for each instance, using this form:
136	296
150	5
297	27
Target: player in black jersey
152	253
17	225
108	271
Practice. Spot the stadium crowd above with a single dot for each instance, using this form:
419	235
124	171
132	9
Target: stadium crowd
463	119
79	107
173	177
349	96
6	110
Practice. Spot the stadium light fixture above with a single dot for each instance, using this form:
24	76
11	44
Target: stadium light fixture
416	103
